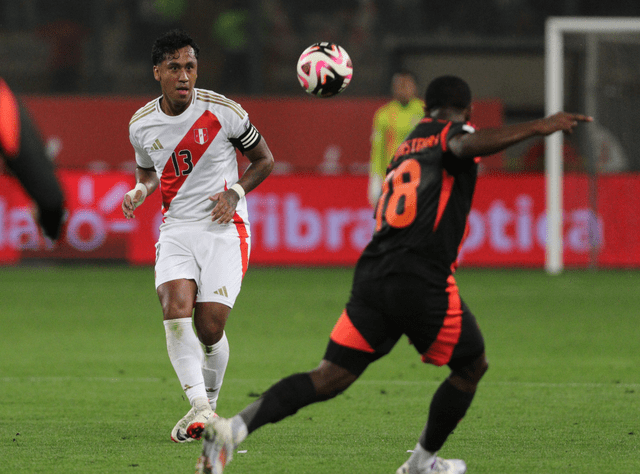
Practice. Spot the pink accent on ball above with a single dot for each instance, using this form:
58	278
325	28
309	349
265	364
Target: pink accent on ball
320	65
340	57
304	81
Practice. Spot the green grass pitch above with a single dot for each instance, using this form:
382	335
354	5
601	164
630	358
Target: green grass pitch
86	384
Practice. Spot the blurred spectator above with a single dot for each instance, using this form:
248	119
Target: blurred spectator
281	46
391	124
171	9
231	31
66	36
403	17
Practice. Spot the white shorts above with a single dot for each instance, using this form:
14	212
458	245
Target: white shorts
215	257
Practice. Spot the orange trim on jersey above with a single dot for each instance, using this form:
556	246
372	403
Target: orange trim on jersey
443	136
9	122
346	334
241	227
440	351
445	194
454	265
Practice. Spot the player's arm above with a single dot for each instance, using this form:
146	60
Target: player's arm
146	183
30	165
261	165
492	140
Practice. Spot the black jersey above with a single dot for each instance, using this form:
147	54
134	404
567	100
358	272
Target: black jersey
421	215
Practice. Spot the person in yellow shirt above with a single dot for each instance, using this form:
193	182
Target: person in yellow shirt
391	123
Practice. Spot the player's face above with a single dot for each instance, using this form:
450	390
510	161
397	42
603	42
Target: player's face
403	88
177	75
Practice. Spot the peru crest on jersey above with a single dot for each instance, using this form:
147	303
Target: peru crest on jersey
201	136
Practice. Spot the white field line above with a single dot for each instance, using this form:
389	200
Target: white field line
62	378
42	379
515	384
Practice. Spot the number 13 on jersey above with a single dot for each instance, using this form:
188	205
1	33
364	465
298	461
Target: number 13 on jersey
399	200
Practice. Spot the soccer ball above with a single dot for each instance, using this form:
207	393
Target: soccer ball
324	69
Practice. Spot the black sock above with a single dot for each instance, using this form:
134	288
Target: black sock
283	399
448	407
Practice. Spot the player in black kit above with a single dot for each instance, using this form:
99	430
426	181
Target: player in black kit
23	152
403	282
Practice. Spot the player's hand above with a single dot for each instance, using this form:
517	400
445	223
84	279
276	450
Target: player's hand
127	207
224	206
562	121
133	199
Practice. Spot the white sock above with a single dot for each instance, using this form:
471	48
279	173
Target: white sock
421	457
239	429
185	352
215	362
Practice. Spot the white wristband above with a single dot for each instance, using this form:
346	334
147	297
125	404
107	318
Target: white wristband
238	189
139	187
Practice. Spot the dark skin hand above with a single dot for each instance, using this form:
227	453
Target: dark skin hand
261	165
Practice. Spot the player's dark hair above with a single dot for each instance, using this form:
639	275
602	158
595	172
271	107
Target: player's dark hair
448	91
169	43
406	72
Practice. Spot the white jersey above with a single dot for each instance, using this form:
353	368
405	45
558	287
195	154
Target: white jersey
193	153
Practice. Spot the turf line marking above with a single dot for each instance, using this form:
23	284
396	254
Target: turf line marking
482	383
83	379
515	384
358	382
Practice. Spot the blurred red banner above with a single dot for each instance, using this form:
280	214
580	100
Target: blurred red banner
325	220
305	135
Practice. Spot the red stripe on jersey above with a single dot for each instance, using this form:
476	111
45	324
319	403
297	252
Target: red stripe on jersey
454	265
346	334
440	351
443	136
172	178
445	194
244	241
9	122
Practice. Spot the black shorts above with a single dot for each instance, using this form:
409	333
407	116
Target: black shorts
434	318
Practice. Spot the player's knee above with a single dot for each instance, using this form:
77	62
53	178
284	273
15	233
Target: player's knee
330	380
287	396
481	368
209	334
209	330
210	320
173	308
471	371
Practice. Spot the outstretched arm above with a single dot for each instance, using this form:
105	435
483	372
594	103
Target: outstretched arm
261	165
492	140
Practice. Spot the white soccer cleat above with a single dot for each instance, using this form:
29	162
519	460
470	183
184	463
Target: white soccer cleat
217	447
179	432
200	418
439	466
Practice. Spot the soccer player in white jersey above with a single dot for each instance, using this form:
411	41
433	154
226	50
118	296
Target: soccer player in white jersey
185	142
